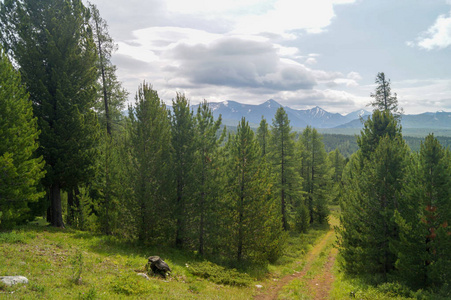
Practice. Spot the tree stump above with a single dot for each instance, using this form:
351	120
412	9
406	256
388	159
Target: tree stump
155	265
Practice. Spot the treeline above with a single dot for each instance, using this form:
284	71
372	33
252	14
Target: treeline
396	204
159	176
347	144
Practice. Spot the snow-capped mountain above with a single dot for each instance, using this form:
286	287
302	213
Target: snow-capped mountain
232	112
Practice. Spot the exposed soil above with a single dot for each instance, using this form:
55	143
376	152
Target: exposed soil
320	285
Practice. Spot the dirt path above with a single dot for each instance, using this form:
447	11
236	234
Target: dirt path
320	284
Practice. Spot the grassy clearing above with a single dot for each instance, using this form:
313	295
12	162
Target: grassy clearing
71	264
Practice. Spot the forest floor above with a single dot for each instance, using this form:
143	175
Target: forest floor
314	280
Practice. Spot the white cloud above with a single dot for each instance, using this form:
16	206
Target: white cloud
290	15
354	76
417	96
438	36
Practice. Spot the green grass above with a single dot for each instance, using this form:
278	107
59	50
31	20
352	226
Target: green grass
297	246
72	264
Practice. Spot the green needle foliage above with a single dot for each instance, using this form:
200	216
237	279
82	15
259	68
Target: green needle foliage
263	136
373	191
20	169
207	187
253	227
51	42
315	171
151	159
384	100
424	257
285	166
183	144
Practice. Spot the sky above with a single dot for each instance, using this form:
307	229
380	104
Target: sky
301	53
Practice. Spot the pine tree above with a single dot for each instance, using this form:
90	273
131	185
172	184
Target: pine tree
373	192
112	93
383	98
316	174
337	162
423	253
51	41
183	143
20	169
207	189
263	136
254	225
150	133
288	183
110	102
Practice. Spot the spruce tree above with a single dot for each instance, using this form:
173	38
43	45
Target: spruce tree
315	171
151	157
263	136
206	179
288	183
373	192
337	162
384	100
183	143
20	169
423	253
112	94
109	103
51	41
253	225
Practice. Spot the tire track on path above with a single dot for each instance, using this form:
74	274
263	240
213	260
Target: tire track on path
320	285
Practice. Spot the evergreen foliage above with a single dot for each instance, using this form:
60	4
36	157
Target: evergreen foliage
253	227
51	41
316	175
111	93
383	98
284	166
20	169
183	144
263	136
111	96
207	187
337	162
151	158
373	191
423	253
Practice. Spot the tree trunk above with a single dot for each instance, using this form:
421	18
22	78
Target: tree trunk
70	207
56	208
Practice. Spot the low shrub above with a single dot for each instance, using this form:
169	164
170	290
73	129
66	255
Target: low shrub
131	284
219	274
13	237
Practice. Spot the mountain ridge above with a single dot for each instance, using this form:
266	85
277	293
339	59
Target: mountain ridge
317	117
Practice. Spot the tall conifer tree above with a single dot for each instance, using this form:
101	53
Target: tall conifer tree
288	183
373	192
183	143
384	100
153	187
316	174
253	227
424	258
263	136
51	41
206	178
20	169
